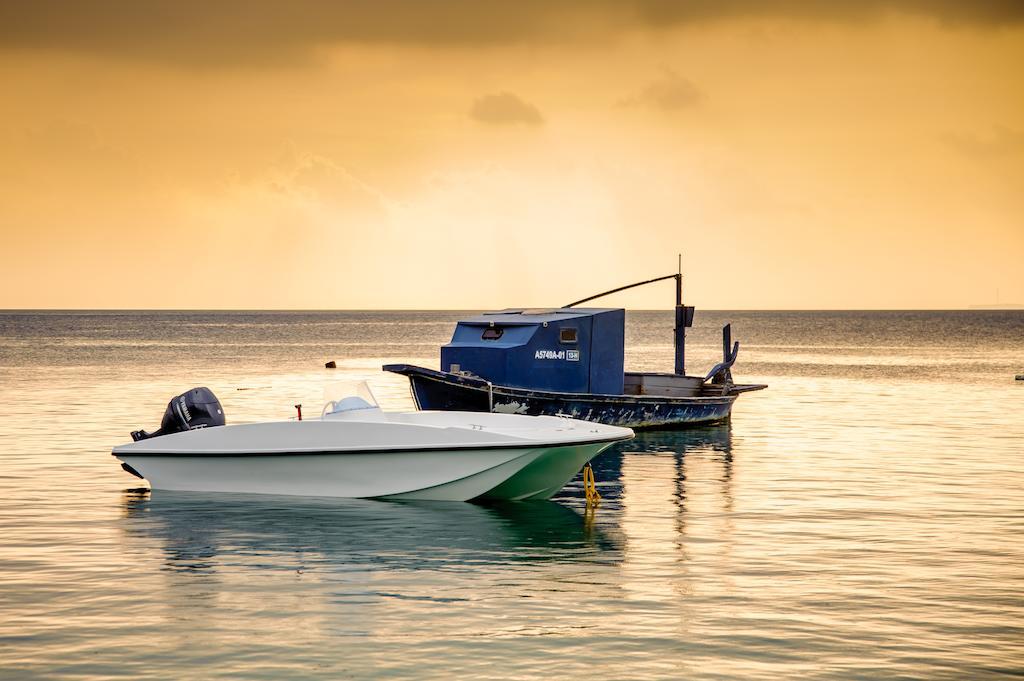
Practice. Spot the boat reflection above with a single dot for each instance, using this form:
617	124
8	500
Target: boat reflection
709	439
671	486
712	444
198	532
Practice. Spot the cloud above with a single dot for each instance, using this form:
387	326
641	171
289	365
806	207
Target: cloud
319	178
64	162
979	12
1001	143
505	109
258	32
669	92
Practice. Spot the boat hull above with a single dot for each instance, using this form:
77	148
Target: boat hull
508	473
438	390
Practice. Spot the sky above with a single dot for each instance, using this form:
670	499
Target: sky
464	155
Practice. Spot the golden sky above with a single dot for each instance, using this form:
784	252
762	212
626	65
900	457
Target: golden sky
458	154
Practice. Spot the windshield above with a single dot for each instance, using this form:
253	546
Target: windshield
342	396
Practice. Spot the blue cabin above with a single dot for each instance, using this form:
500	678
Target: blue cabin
573	350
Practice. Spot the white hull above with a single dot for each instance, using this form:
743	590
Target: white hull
461	475
412	456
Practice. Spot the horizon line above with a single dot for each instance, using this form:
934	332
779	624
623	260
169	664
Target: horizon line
973	308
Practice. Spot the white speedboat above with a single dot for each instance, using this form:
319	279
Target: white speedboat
354	449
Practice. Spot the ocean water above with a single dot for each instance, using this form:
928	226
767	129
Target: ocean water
861	518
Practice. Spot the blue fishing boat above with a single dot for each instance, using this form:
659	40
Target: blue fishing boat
568	361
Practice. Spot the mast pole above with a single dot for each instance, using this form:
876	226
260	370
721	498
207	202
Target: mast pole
679	337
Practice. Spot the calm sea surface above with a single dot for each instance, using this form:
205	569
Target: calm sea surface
862	518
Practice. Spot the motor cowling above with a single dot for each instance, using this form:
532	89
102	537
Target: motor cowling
197	408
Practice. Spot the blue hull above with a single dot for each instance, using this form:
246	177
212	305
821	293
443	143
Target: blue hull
443	391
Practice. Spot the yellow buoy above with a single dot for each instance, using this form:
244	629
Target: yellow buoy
590	486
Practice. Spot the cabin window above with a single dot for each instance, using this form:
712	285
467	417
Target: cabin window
492	333
567	335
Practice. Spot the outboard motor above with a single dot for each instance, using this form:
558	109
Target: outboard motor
197	408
